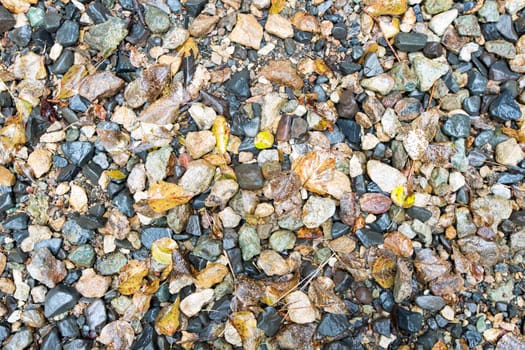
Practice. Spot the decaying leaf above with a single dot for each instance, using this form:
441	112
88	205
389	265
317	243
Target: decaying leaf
131	275
189	47
402	196
283	187
163	196
168	321
211	275
321	292
277	6
117	335
429	265
162	249
12	135
70	82
384	271
221	131
246	325
317	173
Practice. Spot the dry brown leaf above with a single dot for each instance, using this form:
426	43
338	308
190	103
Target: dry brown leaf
399	244
131	275
163	196
70	82
317	173
168	321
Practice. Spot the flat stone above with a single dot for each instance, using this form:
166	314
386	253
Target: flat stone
428	71
272	263
60	299
300	308
385	176
199	143
45	268
247	31
317	210
279	26
249	176
197	177
91	285
410	42
509	152
105	37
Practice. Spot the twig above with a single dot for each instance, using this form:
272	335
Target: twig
384	36
431	96
229	264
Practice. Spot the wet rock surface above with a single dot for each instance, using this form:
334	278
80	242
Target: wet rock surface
262	175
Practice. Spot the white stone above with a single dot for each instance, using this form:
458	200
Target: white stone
78	199
229	218
440	22
279	26
456	180
317	210
509	152
202	115
193	303
385	176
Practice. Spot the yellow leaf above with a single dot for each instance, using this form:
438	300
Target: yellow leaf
23	108
70	82
163	196
131	275
221	131
246	325
277	6
402	197
384	271
188	48
116	174
162	249
168	320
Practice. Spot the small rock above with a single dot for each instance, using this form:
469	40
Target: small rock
78	199
249	242
247	31
40	162
157	20
7	21
272	263
505	107
7	178
282	73
408	321
430	302
199	143
157	164
282	240
386	7
385	176
202	115
317	210
410	42
60	299
428	71
91	285
332	325
457	126
99	85
197	177
203	25
382	83
249	176
105	37
229	218
279	26
502	48
45	268
193	303
509	152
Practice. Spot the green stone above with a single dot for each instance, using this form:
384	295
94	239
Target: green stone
501	48
437	6
111	264
460	160
404	77
480	324
157	20
468	25
291	223
83	256
282	240
105	37
489	12
322	255
208	248
503	293
249	242
35	15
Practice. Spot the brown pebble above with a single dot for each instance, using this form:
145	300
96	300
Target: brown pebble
284	128
363	295
486	233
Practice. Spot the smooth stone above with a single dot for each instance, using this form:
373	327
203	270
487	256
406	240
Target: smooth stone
269	321
249	176
428	71
430	302
60	299
249	242
111	264
95	314
157	20
385	176
372	66
317	210
369	238
68	33
410	42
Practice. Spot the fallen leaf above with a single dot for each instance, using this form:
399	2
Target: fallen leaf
70	82
162	250
317	173
188	48
398	243
131	275
221	131
283	187
277	6
12	135
402	196
163	196
384	271
168	319
246	325
211	275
